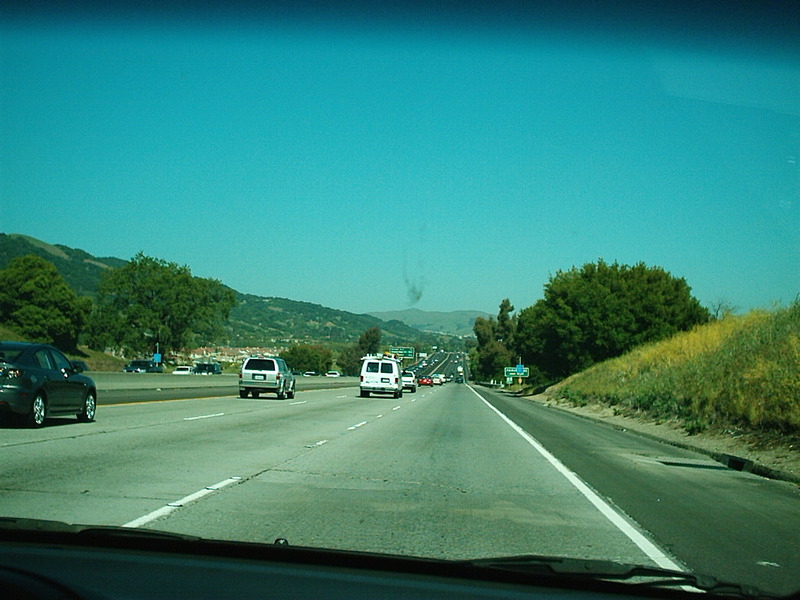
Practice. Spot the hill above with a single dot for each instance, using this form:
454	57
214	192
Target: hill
458	322
739	373
79	269
257	317
255	321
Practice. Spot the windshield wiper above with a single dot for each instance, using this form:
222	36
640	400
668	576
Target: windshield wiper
606	570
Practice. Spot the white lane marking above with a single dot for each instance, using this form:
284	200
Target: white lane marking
204	417
342	396
295	403
173	506
317	444
357	425
379	417
645	545
396	408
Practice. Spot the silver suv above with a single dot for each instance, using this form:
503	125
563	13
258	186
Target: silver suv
268	374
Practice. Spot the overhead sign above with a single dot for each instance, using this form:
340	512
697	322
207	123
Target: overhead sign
517	371
405	352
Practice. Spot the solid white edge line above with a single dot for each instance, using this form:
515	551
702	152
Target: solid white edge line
649	548
173	506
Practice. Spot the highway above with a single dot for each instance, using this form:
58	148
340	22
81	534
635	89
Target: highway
454	471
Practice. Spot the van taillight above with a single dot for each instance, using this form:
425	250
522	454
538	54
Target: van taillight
362	378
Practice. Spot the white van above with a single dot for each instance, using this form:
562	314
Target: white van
381	375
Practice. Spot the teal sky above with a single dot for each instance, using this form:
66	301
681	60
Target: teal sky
381	164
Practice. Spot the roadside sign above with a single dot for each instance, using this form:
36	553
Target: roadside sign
403	351
516	372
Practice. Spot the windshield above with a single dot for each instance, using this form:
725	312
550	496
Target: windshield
578	226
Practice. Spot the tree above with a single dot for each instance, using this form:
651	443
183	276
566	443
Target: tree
308	357
368	343
36	301
150	303
600	311
506	323
492	353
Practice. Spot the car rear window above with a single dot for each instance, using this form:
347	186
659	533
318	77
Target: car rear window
387	368
372	367
10	353
260	364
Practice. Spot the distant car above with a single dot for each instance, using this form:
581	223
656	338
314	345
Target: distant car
436	380
143	366
266	374
409	381
425	380
208	369
183	370
38	381
332	374
310	374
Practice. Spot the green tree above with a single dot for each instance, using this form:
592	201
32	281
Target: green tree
36	301
150	303
602	310
369	342
494	337
308	357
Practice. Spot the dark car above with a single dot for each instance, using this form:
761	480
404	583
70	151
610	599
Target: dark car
208	369
38	381
143	366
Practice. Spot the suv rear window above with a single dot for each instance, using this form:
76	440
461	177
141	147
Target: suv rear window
260	364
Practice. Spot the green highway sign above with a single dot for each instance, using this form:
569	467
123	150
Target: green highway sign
517	371
402	351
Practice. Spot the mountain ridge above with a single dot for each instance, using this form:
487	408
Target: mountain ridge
251	321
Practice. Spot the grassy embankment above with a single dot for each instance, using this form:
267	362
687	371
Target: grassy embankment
740	372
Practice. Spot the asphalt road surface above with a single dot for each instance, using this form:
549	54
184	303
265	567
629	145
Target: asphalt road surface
437	473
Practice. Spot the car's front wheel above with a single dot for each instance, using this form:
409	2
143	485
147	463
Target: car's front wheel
89	408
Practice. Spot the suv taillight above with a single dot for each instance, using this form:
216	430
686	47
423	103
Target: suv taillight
277	377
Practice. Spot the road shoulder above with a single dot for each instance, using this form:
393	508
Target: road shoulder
738	450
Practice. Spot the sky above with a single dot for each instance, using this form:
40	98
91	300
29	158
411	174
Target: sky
373	163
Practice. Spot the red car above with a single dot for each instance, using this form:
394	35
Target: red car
424	380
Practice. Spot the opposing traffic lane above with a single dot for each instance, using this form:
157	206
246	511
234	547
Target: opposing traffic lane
120	388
